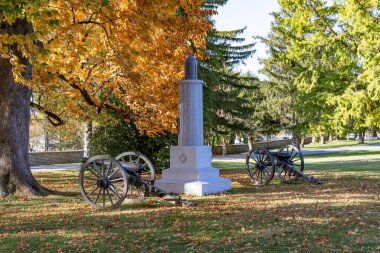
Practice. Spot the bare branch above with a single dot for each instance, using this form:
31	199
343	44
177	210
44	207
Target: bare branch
53	118
126	114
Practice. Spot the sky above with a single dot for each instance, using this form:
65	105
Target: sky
253	14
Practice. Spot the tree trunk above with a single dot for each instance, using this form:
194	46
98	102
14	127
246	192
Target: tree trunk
331	138
302	142
46	135
87	139
313	139
213	145
361	137
250	142
224	148
297	142
15	174
322	140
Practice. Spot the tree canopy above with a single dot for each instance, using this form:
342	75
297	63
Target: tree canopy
226	104
329	54
121	56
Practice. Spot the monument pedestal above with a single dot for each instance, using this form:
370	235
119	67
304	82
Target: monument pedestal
190	163
191	172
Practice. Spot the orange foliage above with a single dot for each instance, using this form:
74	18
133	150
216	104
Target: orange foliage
123	56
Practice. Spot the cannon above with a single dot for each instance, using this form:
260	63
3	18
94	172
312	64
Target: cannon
106	182
262	164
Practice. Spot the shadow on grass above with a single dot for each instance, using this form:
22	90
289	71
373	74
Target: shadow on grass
244	185
218	224
277	217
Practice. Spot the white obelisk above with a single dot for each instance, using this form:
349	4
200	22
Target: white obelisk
190	169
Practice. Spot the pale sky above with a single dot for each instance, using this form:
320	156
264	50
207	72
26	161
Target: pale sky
253	14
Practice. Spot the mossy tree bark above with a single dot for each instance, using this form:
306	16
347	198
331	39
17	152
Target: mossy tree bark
15	174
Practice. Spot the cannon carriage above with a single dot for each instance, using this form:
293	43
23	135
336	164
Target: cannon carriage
288	163
106	182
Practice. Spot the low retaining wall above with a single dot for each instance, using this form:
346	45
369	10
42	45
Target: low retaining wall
59	157
63	157
241	148
231	149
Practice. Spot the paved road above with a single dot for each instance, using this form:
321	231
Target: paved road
233	157
45	168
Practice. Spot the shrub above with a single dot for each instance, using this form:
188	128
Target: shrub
113	139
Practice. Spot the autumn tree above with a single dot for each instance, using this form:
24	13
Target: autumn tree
86	57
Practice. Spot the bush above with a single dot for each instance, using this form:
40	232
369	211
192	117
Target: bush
113	139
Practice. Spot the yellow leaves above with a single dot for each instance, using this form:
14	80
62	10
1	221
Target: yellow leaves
5	56
126	54
9	39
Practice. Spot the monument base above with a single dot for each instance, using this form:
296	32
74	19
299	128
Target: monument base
191	172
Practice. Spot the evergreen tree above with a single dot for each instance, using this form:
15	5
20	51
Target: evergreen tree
279	108
226	104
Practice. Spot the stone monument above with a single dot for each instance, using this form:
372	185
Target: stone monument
190	169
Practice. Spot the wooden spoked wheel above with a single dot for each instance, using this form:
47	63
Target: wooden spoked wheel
139	165
260	166
295	161
103	182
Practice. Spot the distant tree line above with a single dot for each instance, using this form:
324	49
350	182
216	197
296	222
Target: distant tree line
323	68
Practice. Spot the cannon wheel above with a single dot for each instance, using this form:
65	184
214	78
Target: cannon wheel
145	171
295	161
103	182
260	166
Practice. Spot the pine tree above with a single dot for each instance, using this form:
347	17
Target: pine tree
226	104
278	108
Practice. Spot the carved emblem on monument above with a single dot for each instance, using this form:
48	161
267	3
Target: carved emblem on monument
182	158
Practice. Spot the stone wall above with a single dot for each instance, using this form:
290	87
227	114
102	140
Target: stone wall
231	149
63	157
241	148
59	157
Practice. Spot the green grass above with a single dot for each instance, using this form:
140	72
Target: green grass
339	144
339	216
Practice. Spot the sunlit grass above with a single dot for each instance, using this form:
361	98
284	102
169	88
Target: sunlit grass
339	216
338	144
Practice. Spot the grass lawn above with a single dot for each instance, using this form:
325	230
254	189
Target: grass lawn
338	144
341	216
